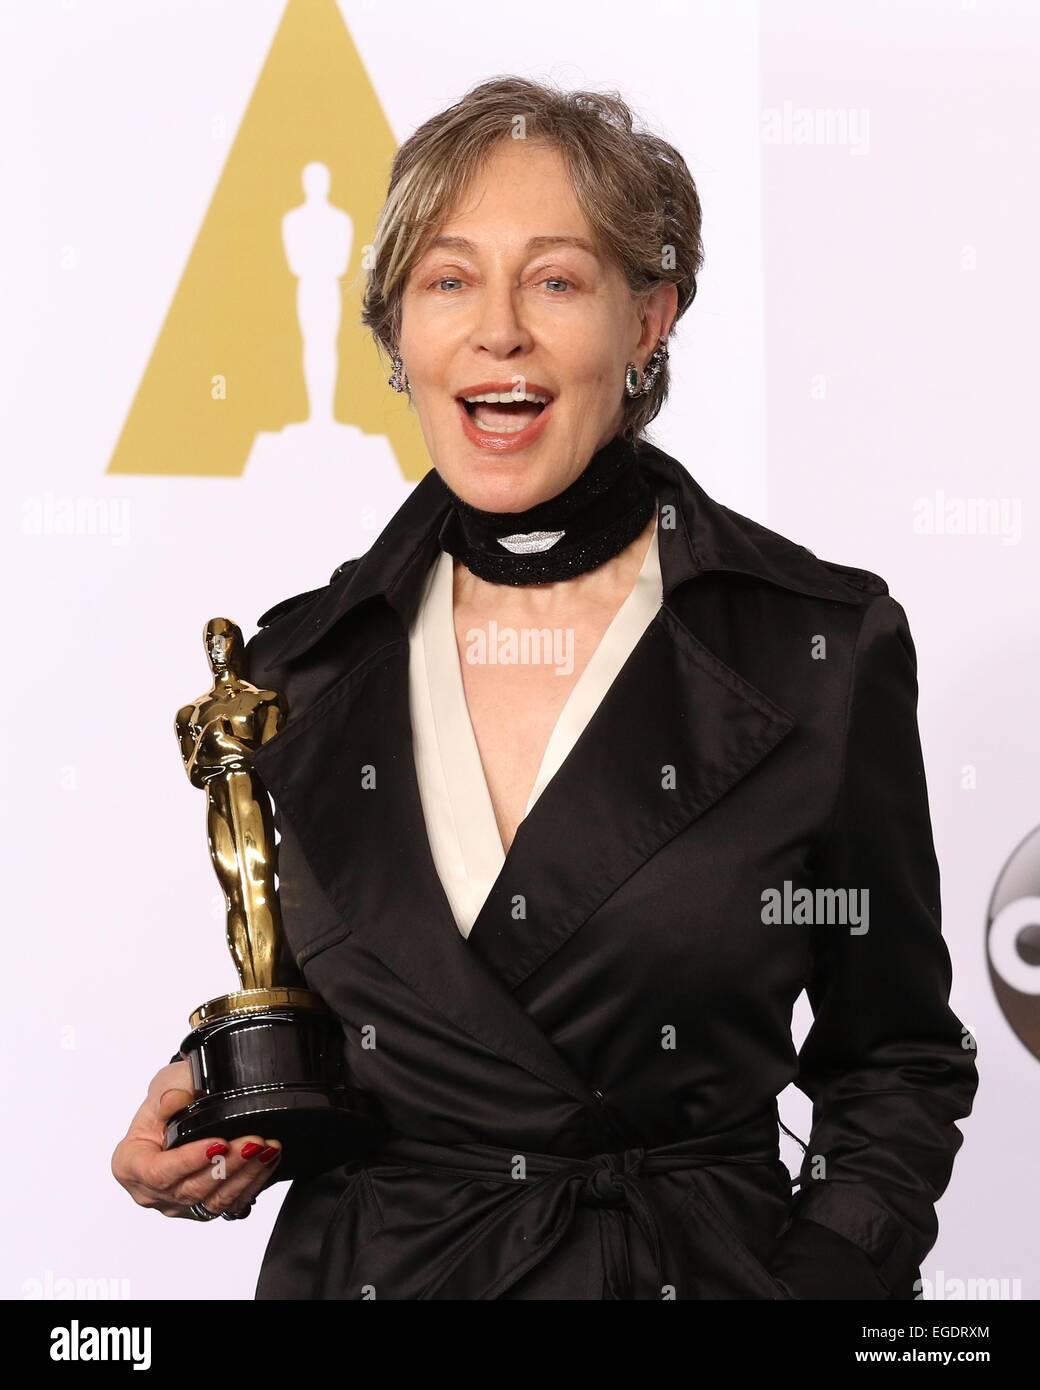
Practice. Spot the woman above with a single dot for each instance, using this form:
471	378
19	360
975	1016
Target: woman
585	778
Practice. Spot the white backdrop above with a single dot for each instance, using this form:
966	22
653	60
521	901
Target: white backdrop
859	364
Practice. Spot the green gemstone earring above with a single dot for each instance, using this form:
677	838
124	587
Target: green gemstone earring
638	384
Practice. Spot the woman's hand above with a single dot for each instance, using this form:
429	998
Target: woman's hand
207	1170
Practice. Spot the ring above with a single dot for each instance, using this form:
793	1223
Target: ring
202	1213
238	1215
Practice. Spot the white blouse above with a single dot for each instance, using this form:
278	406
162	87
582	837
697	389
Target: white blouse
460	817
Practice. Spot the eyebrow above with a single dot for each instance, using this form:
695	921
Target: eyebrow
535	243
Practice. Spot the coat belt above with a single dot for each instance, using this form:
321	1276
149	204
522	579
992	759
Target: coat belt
520	1233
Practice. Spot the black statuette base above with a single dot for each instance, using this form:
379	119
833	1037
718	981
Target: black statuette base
278	1073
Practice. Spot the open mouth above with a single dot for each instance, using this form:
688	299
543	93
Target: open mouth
504	413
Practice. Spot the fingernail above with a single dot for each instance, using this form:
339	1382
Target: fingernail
248	1150
218	1148
269	1153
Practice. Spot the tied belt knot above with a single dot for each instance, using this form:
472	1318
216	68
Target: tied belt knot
608	1177
538	1198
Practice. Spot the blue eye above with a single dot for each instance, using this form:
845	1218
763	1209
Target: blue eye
549	280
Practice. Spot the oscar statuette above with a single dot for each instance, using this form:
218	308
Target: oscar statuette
267	1059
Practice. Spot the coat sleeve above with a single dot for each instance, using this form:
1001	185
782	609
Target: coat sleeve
887	1065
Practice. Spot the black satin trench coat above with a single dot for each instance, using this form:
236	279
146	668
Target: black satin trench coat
582	1093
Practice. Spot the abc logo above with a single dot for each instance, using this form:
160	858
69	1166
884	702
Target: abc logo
1013	941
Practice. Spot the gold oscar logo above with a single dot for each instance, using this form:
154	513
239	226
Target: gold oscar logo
263	332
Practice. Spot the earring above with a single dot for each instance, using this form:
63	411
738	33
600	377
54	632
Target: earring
638	383
398	378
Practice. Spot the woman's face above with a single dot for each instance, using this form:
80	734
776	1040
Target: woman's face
508	299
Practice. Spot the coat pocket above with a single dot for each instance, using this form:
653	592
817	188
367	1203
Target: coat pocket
356	1220
321	943
729	1267
318	1232
312	923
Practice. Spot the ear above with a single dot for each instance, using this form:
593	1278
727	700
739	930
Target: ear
657	314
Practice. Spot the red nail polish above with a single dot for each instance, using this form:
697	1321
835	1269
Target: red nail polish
217	1148
269	1154
248	1150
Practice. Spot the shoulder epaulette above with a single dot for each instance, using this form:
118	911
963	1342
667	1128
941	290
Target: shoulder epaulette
285	606
340	570
865	580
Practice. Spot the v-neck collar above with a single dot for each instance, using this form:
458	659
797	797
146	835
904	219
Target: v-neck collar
462	828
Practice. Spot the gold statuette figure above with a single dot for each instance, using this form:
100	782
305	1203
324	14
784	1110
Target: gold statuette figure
267	1058
217	734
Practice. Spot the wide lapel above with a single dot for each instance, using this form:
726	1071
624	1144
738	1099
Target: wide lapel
676	731
344	775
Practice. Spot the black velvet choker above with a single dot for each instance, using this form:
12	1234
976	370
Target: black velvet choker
589	522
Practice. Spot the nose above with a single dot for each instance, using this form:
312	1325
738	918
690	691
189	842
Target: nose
499	328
